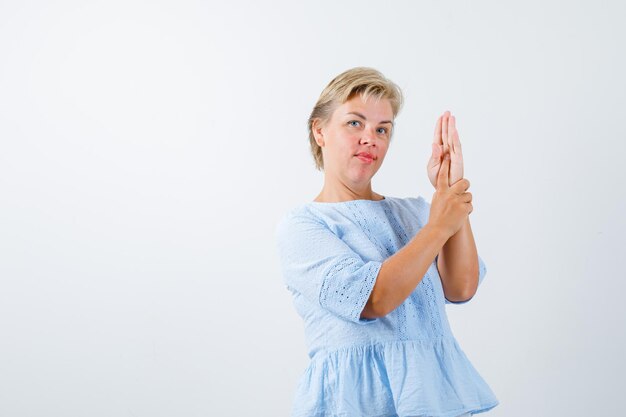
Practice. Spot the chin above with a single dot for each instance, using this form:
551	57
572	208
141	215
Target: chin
362	176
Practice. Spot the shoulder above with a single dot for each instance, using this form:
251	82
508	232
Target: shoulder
295	220
296	214
416	205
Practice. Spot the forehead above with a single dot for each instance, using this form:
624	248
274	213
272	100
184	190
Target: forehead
374	108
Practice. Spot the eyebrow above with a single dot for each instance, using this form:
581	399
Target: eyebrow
364	118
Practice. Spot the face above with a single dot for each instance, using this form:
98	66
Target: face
356	127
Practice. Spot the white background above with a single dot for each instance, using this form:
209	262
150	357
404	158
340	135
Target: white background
147	150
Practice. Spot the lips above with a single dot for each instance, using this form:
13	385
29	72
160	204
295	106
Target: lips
365	155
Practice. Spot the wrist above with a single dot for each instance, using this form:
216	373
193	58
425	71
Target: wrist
438	232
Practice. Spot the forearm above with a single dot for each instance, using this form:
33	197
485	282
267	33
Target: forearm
458	265
403	271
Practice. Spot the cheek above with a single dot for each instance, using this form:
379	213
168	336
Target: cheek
345	140
383	149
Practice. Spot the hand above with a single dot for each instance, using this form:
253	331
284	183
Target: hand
446	141
451	204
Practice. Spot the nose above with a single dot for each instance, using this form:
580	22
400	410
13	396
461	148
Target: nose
368	136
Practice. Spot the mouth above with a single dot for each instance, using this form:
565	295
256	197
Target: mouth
368	159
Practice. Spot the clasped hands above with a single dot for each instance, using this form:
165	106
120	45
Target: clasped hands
446	141
451	203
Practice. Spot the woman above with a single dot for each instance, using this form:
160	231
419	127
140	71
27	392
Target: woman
370	274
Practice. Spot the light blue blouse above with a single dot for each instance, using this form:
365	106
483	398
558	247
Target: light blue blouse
406	363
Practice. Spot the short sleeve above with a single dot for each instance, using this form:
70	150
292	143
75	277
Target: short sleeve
320	266
482	271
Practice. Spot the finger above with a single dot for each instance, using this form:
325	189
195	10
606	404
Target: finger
466	197
443	175
434	162
444	132
437	137
460	186
456	143
453	135
437	151
450	132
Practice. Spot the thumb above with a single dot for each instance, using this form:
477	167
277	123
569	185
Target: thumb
443	176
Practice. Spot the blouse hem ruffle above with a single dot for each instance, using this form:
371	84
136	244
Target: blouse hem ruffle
410	378
472	409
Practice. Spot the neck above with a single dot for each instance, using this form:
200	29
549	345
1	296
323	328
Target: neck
336	191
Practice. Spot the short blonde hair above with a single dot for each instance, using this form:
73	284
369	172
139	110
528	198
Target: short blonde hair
359	80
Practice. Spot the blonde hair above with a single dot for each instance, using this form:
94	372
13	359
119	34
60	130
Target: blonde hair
359	80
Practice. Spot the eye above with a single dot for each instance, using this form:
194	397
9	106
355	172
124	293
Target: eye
384	130
353	121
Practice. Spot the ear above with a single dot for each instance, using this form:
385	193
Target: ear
316	128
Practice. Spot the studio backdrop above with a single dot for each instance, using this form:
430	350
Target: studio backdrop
148	149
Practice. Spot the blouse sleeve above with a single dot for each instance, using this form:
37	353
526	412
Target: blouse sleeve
320	266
